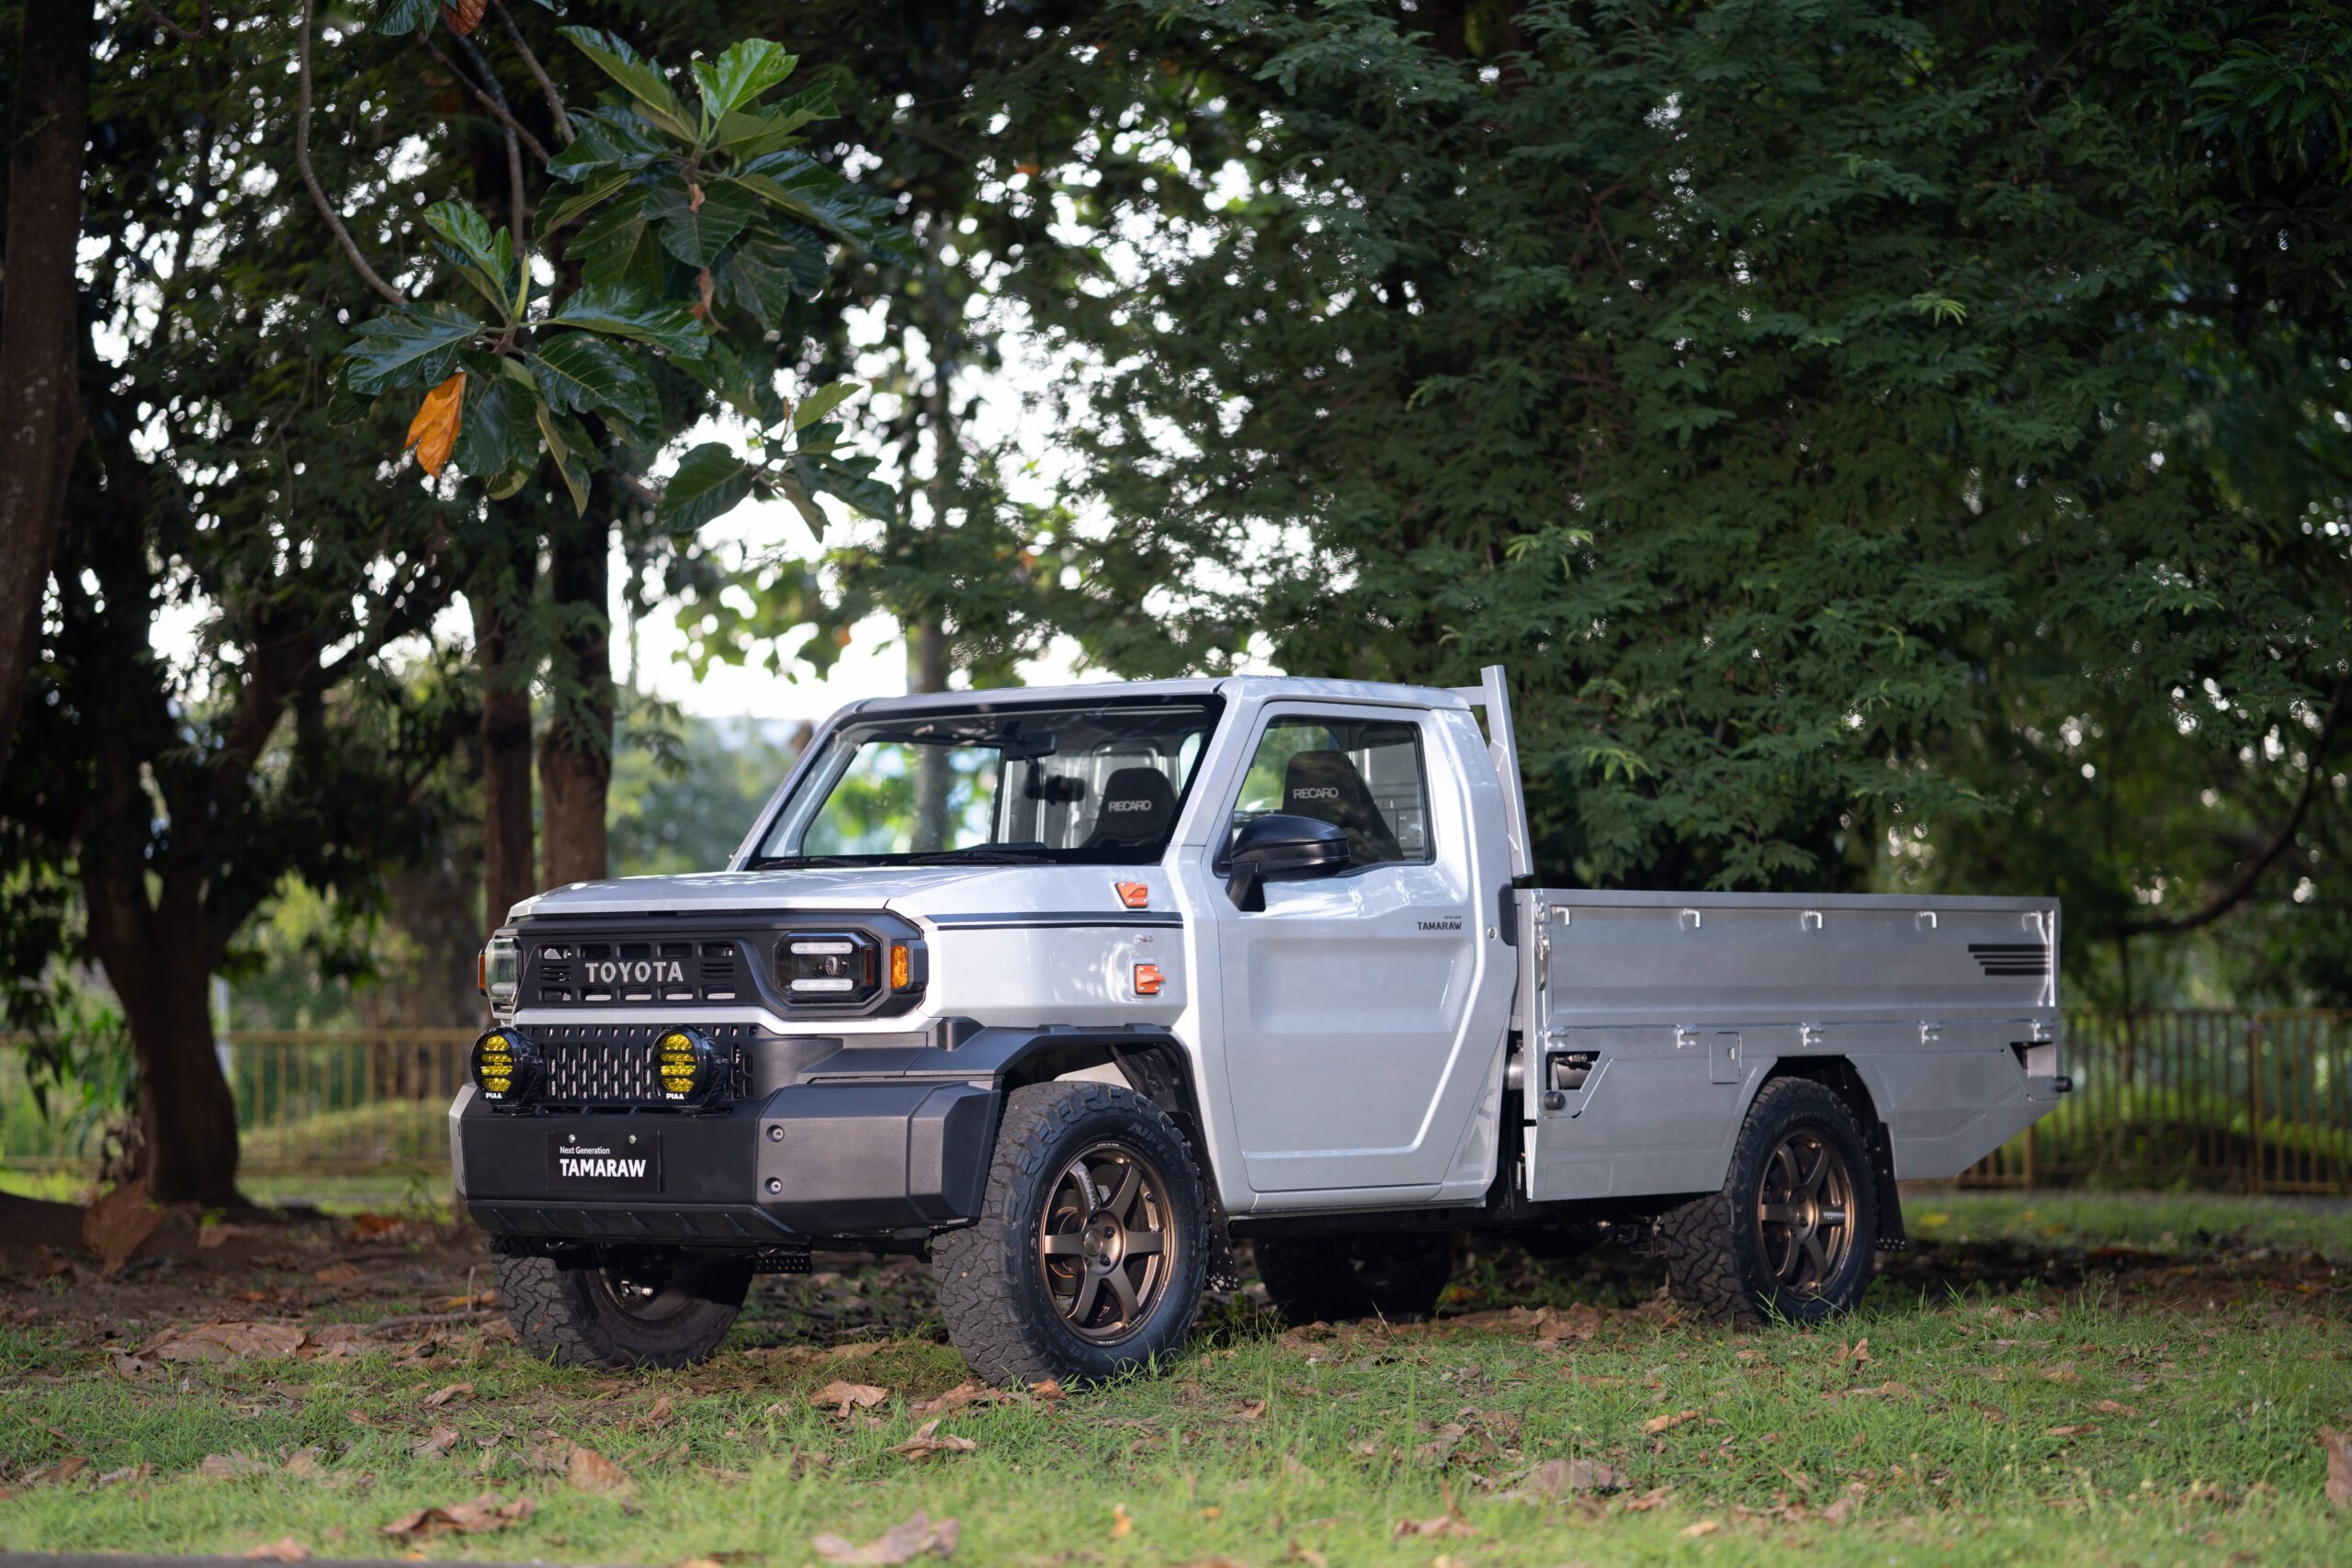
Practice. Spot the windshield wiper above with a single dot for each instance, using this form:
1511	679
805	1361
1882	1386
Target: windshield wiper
780	862
979	854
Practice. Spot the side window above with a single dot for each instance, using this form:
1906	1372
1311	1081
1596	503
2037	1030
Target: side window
1363	776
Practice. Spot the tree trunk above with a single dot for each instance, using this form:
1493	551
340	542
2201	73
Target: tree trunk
157	959
40	411
509	874
576	753
927	672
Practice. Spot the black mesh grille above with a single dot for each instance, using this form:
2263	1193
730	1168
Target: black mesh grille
612	1065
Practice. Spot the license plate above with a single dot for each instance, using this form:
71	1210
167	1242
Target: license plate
628	1162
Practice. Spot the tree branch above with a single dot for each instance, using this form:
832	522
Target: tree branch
2229	897
496	105
555	100
310	178
185	35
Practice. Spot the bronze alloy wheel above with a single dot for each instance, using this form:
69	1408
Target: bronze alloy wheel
1804	1206
1105	1242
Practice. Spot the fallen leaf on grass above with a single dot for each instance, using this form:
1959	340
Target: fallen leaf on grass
928	1444
226	1342
336	1274
441	1396
1121	1527
2113	1408
1251	1409
1704	1526
286	1549
1657	1424
2338	1450
966	1393
485	1513
1557	1477
443	1439
230	1466
659	1414
591	1472
1449	1523
130	1473
2074	1429
900	1543
842	1397
1047	1391
1857	1355
1888	1389
2062	1374
57	1474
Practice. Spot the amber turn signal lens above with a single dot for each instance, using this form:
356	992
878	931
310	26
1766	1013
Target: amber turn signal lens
1134	895
1147	980
481	971
903	966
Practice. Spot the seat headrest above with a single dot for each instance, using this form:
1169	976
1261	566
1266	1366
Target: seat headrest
1325	786
1139	807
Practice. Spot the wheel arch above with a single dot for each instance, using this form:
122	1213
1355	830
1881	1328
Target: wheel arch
1845	1077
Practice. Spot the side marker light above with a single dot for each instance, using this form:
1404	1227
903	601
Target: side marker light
1147	980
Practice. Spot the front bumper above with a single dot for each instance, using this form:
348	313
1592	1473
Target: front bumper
810	1162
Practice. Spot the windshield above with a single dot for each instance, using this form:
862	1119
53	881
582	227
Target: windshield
997	782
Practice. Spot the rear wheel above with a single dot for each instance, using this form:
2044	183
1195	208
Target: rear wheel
1089	1255
633	1307
1338	1278
1792	1232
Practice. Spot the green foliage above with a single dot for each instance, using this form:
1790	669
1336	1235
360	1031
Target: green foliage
695	220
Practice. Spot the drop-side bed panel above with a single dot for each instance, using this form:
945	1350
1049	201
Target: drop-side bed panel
1651	1019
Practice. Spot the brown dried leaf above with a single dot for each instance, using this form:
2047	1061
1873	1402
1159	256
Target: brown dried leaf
928	1444
1557	1477
443	1439
2113	1408
1857	1355
1047	1391
903	1542
462	17
479	1516
2339	1468
1449	1523
1704	1526
441	1396
337	1274
661	1415
1657	1424
591	1472
57	1474
840	1398
1122	1526
118	1224
2062	1374
966	1393
286	1549
2074	1429
1888	1389
434	431
226	1342
1251	1409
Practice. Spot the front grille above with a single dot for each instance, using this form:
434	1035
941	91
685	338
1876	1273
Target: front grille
646	974
608	1067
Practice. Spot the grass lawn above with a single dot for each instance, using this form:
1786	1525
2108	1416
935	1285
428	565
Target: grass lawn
2018	1390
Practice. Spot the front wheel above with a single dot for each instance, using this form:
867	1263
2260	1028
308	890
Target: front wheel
1090	1252
635	1307
1792	1232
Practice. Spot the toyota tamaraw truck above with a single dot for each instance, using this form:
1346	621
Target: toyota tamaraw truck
1072	988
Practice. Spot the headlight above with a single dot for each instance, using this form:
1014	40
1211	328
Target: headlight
686	1065
502	971
507	1069
829	968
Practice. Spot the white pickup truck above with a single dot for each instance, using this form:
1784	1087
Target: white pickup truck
1070	987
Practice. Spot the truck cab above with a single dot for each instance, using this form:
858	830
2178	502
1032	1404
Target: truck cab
1071	988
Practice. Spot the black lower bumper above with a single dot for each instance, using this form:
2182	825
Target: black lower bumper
810	1162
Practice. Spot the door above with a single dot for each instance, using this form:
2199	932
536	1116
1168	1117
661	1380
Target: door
1347	998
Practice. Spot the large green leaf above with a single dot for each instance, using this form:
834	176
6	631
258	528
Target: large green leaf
405	345
639	77
748	133
619	249
583	201
747	383
569	446
797	184
608	138
696	233
407	15
577	371
711	481
485	260
498	434
774	259
851	478
622	312
824	400
747	70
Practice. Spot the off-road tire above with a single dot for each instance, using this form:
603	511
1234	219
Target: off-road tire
993	1275
572	1309
1715	1247
1322	1278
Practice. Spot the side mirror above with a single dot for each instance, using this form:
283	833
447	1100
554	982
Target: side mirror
1281	849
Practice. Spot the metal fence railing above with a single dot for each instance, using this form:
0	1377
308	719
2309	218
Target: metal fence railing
308	1101
2214	1097
2239	1099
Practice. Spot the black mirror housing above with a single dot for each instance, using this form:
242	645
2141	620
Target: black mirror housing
1281	849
